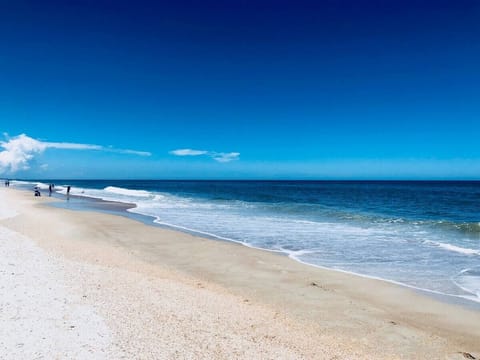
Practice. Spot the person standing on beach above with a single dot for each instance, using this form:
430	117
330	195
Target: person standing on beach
68	192
50	190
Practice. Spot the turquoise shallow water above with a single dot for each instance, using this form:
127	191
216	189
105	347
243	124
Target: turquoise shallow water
421	234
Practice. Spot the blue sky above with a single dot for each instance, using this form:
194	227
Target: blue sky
240	89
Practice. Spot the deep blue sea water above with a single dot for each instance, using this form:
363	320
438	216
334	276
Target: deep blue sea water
421	234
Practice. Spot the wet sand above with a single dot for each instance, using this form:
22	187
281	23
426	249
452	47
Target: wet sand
166	294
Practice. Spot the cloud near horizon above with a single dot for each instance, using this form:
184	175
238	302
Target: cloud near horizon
20	150
217	156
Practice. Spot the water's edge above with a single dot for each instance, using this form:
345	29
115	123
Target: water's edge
117	208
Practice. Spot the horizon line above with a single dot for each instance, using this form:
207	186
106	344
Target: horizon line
245	179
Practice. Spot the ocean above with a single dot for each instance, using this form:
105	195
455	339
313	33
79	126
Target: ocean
421	234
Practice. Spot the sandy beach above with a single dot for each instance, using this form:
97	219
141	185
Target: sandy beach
83	285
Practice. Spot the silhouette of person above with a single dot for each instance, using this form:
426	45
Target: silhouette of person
50	190
68	192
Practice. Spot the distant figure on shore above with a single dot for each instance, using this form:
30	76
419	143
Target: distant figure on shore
7	183
36	191
50	190
68	192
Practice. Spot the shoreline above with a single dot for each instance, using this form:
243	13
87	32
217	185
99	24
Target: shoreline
446	290
369	315
121	209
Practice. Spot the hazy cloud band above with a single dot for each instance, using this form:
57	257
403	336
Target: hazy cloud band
19	150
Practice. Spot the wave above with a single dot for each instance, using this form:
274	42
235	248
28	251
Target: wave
469	281
42	186
473	228
127	192
20	182
467	228
453	248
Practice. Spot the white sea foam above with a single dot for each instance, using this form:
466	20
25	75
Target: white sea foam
469	280
453	248
295	254
42	186
19	182
127	192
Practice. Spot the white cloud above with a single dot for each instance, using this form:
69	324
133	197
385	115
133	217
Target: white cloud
130	152
188	152
225	157
217	156
19	150
72	146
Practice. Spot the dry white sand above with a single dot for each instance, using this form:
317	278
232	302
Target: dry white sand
41	316
94	285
